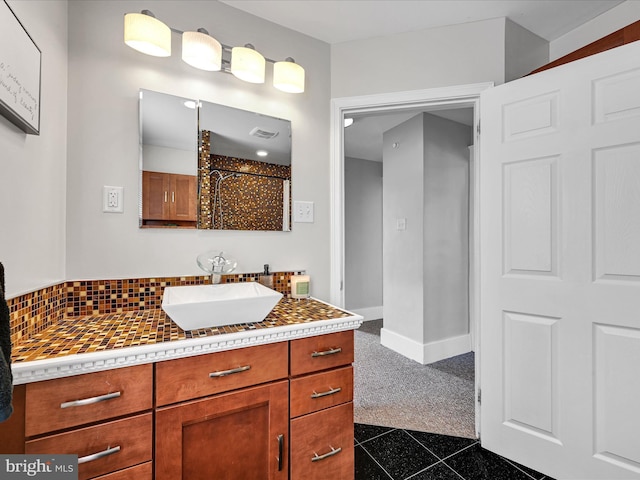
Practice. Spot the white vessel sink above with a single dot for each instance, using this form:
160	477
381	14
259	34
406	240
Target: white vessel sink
205	306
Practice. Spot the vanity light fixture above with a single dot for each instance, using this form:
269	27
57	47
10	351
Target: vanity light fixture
201	50
145	33
247	64
288	76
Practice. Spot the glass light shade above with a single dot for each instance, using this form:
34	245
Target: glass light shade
147	34
288	77
201	51
247	64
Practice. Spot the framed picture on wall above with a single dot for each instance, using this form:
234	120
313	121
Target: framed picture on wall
20	63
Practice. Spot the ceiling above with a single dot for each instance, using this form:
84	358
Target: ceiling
335	21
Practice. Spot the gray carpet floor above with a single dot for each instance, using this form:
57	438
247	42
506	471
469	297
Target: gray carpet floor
394	391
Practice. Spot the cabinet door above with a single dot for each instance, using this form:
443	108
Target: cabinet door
183	197
155	190
235	436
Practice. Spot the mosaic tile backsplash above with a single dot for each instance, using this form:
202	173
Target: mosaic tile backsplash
34	312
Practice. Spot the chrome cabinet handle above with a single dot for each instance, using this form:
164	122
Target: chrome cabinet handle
89	401
96	456
173	197
327	352
165	196
332	391
280	451
334	451
224	373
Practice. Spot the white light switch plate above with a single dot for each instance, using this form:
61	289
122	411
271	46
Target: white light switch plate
303	212
112	199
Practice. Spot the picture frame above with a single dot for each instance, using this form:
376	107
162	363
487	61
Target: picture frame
20	73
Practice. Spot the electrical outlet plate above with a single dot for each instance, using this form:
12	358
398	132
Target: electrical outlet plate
303	212
112	199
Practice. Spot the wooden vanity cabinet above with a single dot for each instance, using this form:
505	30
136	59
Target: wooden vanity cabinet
105	418
274	412
322	407
169	198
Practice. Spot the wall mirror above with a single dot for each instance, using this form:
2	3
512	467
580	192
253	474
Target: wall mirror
211	166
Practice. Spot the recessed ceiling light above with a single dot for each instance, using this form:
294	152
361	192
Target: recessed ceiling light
262	153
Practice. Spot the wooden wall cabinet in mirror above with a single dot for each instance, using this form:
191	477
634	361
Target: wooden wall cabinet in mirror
169	199
211	166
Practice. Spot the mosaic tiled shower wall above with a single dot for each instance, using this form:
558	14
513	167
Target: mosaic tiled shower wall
254	199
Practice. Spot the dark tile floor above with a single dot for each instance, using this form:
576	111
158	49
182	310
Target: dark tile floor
384	453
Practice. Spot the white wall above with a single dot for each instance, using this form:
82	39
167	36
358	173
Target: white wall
618	17
33	168
104	79
446	228
403	253
169	160
363	234
447	56
426	186
524	51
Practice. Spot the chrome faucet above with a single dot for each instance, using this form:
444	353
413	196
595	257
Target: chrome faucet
214	263
218	262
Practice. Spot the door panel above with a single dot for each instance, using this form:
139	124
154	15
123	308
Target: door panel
560	264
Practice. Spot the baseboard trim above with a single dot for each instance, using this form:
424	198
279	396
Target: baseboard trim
428	352
401	344
369	313
449	347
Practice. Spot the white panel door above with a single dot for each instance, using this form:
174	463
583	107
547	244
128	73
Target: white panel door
560	268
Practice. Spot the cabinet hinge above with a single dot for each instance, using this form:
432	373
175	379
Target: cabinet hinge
478	128
479	396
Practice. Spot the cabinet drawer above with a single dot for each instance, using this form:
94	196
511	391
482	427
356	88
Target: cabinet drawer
321	390
104	448
68	402
321	352
194	377
322	444
139	472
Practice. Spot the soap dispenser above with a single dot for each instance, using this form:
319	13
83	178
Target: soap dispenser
266	278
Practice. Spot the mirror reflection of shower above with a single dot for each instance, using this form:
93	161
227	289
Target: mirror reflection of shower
242	200
217	196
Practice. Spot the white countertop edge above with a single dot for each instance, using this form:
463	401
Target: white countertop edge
68	365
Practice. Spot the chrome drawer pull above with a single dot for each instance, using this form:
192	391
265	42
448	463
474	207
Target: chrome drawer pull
324	394
89	401
224	373
96	456
327	352
334	451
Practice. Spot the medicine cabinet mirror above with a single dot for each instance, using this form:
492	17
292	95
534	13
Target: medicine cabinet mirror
203	165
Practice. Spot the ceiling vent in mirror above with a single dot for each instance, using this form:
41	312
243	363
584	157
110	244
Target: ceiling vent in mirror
261	133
